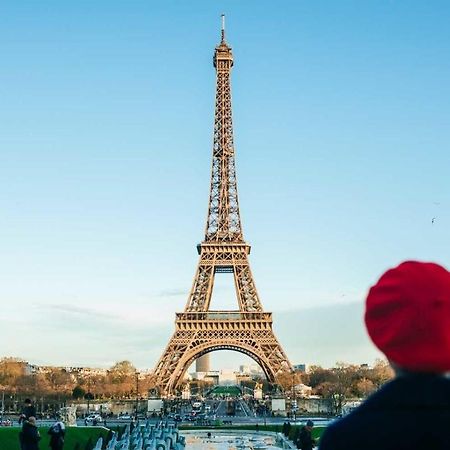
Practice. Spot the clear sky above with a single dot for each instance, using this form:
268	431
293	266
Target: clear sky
341	113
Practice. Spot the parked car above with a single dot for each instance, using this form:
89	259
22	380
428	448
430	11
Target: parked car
124	416
93	419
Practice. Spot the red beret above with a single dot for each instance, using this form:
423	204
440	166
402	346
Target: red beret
408	316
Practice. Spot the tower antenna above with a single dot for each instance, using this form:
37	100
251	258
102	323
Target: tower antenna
223	27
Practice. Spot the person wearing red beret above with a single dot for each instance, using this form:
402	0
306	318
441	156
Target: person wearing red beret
408	318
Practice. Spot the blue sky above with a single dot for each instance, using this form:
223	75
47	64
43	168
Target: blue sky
341	114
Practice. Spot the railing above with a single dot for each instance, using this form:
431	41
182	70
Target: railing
224	315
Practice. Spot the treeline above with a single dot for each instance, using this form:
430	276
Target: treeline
337	384
345	382
120	381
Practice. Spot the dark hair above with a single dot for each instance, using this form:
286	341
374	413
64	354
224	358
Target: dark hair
309	423
27	400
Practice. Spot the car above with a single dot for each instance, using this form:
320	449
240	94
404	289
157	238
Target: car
93	418
124	416
5	422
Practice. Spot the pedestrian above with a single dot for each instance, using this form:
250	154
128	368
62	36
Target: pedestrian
305	439
296	436
408	318
57	432
288	429
28	411
29	436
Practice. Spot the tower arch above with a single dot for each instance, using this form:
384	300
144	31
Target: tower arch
247	350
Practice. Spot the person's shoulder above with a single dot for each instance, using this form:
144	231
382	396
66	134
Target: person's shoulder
381	407
340	432
414	389
332	438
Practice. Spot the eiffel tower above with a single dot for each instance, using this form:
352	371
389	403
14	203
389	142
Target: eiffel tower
199	330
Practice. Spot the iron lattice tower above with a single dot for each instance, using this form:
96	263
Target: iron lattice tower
198	330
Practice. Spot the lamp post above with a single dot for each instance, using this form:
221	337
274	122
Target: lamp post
137	392
293	396
3	405
88	395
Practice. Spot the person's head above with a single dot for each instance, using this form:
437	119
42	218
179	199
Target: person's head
27	402
309	424
408	317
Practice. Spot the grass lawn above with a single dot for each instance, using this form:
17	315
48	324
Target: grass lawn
226	390
83	438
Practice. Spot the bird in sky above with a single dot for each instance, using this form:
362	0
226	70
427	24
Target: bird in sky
433	220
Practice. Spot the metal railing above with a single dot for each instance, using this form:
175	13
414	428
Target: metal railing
224	315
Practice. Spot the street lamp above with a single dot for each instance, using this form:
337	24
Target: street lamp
3	405
293	397
88	396
137	392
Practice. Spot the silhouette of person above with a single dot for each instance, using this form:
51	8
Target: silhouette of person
28	411
305	439
57	432
29	436
408	318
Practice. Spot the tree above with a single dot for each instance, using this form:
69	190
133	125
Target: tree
318	375
59	379
287	380
121	371
121	379
78	392
382	372
148	382
10	370
364	387
338	385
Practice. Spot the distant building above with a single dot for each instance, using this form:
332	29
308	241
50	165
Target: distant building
348	407
303	390
30	369
252	369
33	368
202	364
300	367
